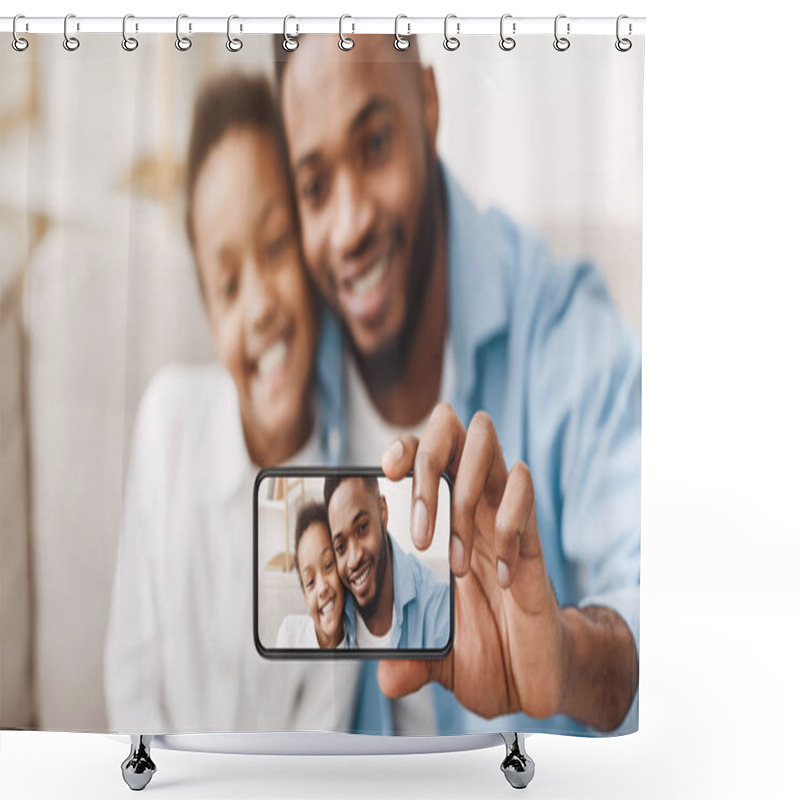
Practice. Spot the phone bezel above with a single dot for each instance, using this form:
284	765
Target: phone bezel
346	654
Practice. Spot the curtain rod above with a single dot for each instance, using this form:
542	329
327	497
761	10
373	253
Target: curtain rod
246	25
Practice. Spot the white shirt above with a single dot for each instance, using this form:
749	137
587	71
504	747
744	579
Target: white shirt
366	640
180	654
297	631
369	433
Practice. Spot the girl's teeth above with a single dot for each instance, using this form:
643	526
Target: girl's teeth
326	608
273	357
371	279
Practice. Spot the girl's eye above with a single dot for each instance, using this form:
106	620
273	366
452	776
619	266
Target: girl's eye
276	247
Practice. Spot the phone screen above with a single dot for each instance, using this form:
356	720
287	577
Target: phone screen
336	572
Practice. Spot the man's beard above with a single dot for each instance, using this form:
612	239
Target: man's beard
385	367
368	611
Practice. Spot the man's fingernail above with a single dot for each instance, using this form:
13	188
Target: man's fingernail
503	574
420	523
456	553
396	450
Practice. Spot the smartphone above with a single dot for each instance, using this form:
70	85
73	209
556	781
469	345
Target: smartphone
336	573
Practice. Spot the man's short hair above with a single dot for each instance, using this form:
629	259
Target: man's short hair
332	484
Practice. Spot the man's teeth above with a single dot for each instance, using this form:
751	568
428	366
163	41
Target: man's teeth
359	579
326	608
273	357
370	279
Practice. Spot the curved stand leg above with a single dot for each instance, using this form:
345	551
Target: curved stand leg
138	768
517	766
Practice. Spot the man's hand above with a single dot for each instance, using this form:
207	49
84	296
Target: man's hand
514	649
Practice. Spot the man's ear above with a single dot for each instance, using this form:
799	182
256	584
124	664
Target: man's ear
430	99
384	513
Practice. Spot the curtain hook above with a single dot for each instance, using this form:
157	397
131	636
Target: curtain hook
345	42
507	42
451	42
129	43
623	45
233	44
183	43
71	43
18	43
561	43
289	42
400	42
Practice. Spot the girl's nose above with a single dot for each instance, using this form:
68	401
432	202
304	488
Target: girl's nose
260	296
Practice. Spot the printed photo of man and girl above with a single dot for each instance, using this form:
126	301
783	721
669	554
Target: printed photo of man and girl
366	311
363	583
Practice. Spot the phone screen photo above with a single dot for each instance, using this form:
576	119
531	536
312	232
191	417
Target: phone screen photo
336	573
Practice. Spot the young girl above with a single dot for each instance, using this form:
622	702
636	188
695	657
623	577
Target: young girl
180	654
323	592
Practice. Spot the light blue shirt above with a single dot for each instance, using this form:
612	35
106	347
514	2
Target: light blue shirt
539	346
421	605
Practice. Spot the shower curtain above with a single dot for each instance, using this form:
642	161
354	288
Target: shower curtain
256	250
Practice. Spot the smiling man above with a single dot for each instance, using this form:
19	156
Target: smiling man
394	601
449	316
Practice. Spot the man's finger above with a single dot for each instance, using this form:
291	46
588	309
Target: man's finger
481	475
512	524
439	451
398	458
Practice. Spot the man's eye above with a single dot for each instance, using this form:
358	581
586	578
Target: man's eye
313	190
377	144
362	527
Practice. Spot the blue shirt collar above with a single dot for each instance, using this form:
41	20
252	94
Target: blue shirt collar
330	385
477	266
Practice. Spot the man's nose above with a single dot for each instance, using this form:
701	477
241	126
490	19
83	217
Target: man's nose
355	555
260	298
354	216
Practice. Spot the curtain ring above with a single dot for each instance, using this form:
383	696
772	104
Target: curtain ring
71	43
623	45
345	42
507	42
290	44
561	43
129	43
451	42
400	42
183	43
233	44
18	43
